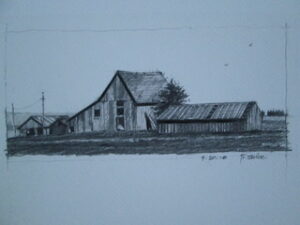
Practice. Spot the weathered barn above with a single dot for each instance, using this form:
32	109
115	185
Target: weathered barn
210	118
126	104
59	126
35	125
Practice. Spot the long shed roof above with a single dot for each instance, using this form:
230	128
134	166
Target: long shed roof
207	111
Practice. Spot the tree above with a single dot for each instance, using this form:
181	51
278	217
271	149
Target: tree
276	112
172	94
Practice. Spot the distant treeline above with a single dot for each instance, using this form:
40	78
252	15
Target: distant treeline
274	112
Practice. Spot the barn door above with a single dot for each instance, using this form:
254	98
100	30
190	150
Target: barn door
120	118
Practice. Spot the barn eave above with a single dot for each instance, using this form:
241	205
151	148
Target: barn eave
201	121
135	102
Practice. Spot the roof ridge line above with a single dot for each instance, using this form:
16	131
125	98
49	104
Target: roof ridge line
214	103
140	72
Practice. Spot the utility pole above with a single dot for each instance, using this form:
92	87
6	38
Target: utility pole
5	78
13	118
6	123
286	95
286	75
286	66
43	110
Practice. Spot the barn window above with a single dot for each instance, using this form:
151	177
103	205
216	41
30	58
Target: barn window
97	113
120	103
120	121
72	129
120	111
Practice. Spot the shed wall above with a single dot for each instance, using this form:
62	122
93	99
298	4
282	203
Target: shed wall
58	129
202	127
34	126
254	119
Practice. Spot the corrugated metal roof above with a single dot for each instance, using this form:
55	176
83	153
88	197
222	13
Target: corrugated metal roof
144	86
48	120
207	111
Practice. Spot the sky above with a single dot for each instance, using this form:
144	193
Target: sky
219	51
229	50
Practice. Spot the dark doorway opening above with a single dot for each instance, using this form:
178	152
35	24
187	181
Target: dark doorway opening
120	120
40	131
30	132
148	122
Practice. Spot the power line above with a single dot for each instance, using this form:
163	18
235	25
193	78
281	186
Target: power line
28	106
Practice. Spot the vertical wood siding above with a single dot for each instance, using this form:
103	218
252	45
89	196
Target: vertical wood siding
58	129
202	127
86	121
140	116
253	121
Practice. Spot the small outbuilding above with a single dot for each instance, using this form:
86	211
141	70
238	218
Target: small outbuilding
59	126
37	125
211	118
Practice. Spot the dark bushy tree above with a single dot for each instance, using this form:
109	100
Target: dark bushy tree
275	112
172	94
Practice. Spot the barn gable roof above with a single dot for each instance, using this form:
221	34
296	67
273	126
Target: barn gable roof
207	111
48	120
142	87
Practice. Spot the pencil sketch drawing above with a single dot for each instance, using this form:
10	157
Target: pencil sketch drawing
142	113
149	112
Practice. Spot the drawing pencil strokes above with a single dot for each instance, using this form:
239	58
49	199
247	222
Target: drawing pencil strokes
144	113
138	104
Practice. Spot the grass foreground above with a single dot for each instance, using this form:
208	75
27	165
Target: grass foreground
273	137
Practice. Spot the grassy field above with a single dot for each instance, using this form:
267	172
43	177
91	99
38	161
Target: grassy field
271	138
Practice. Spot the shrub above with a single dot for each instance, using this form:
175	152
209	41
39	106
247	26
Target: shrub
275	112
